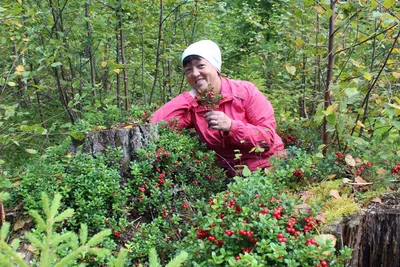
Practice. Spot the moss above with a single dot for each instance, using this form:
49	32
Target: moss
336	208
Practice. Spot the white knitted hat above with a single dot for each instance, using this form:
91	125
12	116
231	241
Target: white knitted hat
206	49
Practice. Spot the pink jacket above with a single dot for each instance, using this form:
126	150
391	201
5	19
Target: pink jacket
253	124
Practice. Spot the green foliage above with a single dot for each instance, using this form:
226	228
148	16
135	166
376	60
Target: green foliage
89	185
175	262
51	243
254	224
168	177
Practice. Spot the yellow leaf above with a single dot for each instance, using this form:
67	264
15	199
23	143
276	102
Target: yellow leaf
116	70
17	73
128	126
19	1
396	75
334	193
360	124
12	84
360	180
350	161
299	43
331	176
332	108
290	69
12	38
367	76
104	63
20	68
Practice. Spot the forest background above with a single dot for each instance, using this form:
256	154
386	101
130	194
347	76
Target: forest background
330	68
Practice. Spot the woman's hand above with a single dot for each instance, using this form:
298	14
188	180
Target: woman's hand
218	120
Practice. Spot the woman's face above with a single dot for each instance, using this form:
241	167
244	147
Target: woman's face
200	73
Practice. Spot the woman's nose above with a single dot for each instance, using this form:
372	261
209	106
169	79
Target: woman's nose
196	72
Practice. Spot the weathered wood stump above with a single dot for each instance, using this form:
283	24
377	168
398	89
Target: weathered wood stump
128	139
374	234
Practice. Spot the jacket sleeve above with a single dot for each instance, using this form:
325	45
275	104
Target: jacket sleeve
178	108
259	130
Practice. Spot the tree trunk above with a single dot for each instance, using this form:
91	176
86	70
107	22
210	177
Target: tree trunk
91	57
122	48
128	139
327	97
374	235
158	52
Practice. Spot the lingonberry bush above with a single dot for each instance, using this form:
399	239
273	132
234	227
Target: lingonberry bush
253	224
168	178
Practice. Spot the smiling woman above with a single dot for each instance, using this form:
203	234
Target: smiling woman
243	123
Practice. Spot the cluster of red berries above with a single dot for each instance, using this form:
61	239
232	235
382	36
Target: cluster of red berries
117	234
339	155
248	234
288	139
311	241
278	213
215	241
281	238
290	226
396	170
298	173
161	153
208	99
232	203
310	224
201	234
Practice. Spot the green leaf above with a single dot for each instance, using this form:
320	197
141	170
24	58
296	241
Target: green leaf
396	124
388	3
77	135
367	76
2	9
56	64
331	118
309	2
31	151
246	171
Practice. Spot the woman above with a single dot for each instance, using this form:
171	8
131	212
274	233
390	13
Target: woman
241	130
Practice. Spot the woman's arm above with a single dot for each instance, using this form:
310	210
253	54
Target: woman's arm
177	108
259	131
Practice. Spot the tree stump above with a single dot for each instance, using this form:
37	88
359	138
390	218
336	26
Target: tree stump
374	234
128	139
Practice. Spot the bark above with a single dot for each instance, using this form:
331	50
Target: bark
118	76
374	234
122	47
327	97
158	52
128	139
91	57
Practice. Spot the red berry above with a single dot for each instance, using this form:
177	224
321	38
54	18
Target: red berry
211	238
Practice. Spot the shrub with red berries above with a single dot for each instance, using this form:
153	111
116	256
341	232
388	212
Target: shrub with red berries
258	225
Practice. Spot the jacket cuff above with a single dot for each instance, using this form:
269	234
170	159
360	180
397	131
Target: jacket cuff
234	128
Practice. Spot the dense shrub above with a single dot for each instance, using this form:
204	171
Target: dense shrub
254	224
